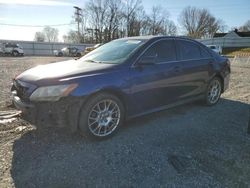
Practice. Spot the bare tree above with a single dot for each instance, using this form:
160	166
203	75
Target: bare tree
157	19
71	37
159	22
96	11
114	14
170	28
245	27
50	34
130	15
198	22
39	37
106	20
214	25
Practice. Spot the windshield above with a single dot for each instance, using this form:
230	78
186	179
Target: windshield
114	52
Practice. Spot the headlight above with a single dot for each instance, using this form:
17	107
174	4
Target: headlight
52	93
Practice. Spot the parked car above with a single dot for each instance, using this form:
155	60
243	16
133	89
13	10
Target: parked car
11	49
215	48
120	80
68	51
89	49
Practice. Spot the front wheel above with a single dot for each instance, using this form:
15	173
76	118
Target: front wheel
101	116
213	91
15	53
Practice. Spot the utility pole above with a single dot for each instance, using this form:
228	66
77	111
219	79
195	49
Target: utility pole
78	15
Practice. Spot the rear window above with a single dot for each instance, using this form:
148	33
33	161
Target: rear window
205	53
188	50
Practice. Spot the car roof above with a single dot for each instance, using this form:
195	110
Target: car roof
149	37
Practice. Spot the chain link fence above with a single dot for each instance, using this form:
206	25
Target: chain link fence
43	48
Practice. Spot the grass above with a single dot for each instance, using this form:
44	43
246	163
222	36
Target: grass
239	52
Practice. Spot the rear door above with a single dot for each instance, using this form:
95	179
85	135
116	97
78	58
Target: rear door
195	62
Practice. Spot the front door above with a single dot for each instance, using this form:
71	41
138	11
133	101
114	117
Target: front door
155	77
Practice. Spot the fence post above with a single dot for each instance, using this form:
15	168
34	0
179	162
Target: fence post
248	60
52	48
234	59
33	48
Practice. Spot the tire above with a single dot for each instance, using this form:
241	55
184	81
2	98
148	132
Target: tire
213	92
60	54
96	122
15	53
78	55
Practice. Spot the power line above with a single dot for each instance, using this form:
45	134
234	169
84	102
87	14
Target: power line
20	25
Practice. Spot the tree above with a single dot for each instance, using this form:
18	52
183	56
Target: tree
157	19
214	25
71	37
50	34
105	20
170	28
39	37
199	22
114	14
131	7
245	27
159	22
96	11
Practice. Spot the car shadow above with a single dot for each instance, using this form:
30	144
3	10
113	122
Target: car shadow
210	141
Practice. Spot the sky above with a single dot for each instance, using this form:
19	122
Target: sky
53	12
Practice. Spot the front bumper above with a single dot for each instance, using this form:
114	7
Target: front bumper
62	113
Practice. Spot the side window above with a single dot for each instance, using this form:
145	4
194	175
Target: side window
188	50
204	53
151	52
164	51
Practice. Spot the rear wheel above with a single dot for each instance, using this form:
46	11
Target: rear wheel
213	91
101	116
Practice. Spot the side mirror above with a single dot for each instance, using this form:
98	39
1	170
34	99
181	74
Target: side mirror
147	60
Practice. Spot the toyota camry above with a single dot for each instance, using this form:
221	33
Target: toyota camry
120	80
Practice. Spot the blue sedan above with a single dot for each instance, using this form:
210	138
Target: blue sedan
120	80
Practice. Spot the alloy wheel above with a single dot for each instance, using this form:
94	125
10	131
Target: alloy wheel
104	118
214	91
15	54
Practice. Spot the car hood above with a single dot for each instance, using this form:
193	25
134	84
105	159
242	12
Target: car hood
61	70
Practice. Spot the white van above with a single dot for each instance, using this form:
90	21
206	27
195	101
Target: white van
215	48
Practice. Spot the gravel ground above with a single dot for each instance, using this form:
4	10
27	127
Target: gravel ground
188	146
